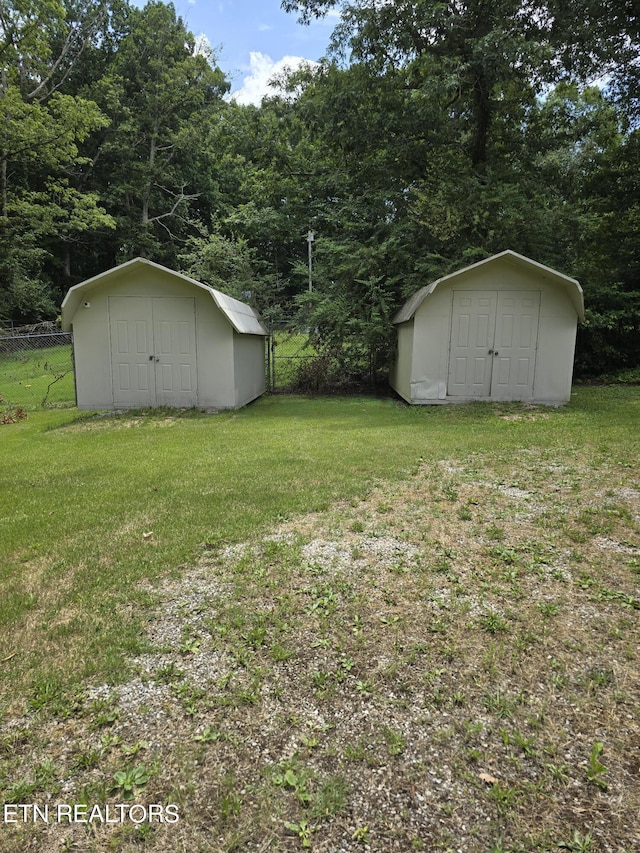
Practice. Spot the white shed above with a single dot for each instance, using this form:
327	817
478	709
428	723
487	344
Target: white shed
501	329
144	335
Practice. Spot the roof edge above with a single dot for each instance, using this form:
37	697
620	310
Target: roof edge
410	307
232	308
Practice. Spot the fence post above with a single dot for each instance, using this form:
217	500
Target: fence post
273	363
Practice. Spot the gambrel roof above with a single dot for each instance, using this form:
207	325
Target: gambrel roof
244	319
572	287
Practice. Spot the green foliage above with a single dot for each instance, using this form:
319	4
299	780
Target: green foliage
455	130
223	263
127	783
595	768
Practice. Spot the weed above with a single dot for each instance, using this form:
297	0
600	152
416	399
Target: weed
45	692
330	798
595	769
559	772
190	645
135	748
495	532
303	830
88	759
45	773
497	847
524	743
502	554
458	699
229	805
578	844
600	678
502	706
208	735
361	833
104	712
364	687
504	796
323	600
128	782
493	622
396	742
110	741
20	792
168	673
296	780
354	752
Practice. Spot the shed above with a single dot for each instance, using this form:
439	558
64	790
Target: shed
144	335
501	329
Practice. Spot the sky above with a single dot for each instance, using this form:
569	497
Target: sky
253	40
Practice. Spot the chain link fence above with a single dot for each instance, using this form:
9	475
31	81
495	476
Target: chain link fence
36	368
290	356
299	362
36	365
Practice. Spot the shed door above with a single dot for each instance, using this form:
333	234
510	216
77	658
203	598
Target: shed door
494	336
153	351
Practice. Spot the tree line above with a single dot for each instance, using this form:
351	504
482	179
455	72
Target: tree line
434	134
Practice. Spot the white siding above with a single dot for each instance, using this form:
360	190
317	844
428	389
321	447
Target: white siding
223	357
422	370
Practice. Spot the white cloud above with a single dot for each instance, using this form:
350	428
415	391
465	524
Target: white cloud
202	47
262	69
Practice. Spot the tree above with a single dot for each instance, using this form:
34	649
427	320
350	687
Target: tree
156	86
41	129
495	140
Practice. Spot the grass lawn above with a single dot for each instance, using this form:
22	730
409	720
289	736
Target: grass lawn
31	377
290	351
340	624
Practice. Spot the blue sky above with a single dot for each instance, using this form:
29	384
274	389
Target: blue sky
253	39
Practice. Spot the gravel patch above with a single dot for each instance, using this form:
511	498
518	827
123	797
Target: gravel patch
425	669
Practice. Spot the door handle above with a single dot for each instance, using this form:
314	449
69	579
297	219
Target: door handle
493	352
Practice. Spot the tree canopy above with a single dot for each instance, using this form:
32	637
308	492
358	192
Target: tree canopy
435	133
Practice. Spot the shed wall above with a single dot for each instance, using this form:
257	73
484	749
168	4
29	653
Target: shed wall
421	372
214	338
401	371
249	367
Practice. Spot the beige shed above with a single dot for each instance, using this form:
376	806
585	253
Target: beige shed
144	335
501	329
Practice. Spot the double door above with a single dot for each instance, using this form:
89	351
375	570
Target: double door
494	336
153	351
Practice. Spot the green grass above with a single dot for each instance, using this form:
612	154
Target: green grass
89	506
465	573
289	353
32	377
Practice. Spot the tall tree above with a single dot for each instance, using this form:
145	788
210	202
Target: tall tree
41	129
158	83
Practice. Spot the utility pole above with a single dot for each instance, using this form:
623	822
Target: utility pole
310	238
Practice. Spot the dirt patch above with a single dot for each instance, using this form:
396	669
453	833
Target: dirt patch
450	664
